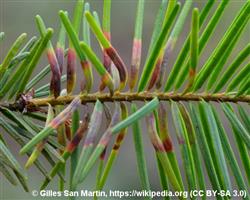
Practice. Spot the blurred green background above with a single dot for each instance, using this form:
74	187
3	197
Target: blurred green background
17	16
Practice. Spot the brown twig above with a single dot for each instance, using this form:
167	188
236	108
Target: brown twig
32	105
106	97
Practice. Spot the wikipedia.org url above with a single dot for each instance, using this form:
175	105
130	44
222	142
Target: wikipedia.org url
140	193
